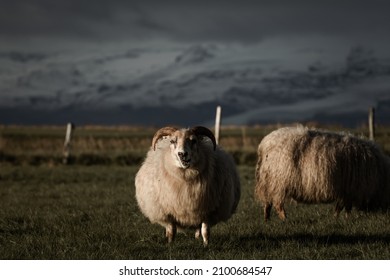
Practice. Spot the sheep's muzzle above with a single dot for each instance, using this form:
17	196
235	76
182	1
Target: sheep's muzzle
184	160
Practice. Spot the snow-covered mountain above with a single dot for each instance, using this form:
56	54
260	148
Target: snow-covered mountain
254	84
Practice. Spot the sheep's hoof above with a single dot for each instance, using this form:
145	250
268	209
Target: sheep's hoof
282	217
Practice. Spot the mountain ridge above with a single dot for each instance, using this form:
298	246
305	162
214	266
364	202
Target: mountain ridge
149	87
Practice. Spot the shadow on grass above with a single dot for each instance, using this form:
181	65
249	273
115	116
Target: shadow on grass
332	239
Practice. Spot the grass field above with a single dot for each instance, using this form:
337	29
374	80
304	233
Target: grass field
20	145
88	211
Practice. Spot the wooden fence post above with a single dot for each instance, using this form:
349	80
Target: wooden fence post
217	123
67	144
371	123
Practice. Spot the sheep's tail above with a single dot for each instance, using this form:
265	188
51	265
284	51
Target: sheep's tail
258	165
257	174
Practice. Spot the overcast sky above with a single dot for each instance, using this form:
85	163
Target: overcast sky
108	21
49	49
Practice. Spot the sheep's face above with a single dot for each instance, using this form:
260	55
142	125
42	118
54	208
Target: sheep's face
184	148
184	143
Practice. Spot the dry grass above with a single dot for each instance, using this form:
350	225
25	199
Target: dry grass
123	145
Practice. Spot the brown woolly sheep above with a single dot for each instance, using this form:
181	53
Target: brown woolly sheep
314	166
187	182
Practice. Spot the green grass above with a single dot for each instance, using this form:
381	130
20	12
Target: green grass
89	212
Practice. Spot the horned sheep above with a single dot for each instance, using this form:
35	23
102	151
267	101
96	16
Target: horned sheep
187	181
315	166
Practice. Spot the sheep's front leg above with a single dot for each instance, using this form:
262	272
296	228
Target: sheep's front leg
170	232
205	233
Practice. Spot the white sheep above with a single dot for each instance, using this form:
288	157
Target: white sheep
314	166
186	181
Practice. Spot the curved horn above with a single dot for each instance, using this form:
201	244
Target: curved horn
168	130
201	130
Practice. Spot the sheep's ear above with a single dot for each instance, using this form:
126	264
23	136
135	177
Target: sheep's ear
165	131
201	130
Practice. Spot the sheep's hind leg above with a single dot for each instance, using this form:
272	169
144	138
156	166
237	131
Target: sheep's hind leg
267	211
170	232
198	232
348	209
339	207
280	210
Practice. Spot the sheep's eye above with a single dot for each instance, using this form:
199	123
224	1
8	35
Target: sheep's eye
173	141
193	141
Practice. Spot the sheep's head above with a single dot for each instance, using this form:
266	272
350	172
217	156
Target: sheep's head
184	143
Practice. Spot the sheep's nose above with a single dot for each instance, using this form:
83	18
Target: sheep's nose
182	154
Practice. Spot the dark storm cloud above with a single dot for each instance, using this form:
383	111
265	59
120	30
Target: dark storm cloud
253	20
192	20
73	18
